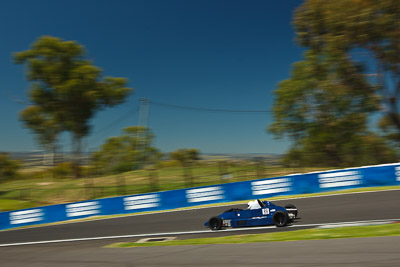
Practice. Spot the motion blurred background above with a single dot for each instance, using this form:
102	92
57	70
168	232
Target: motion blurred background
107	98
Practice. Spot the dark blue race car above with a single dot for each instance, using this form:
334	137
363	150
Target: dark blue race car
258	213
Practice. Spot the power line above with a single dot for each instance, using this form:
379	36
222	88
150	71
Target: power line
127	115
209	109
117	121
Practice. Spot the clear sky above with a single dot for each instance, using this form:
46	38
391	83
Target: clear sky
216	54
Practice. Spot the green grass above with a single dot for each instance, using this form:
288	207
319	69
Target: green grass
14	204
38	189
311	234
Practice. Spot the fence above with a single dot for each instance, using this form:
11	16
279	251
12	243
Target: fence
379	175
61	189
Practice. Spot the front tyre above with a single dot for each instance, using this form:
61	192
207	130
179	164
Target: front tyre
280	218
215	223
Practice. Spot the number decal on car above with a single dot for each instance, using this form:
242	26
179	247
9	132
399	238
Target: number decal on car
265	211
226	223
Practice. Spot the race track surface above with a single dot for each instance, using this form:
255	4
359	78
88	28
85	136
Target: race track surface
376	251
363	252
317	210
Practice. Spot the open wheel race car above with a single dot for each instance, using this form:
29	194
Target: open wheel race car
258	213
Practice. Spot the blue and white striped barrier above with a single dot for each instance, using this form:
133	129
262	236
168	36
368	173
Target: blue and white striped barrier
314	182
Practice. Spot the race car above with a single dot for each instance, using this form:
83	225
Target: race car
257	213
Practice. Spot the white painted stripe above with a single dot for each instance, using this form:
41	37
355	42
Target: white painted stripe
141	201
351	224
92	203
270	181
209	207
340	179
23	212
397	173
210	193
339	184
214	188
337	174
202	199
180	233
94	207
82	213
270	186
27	220
141	206
346	223
25	216
271	191
145	197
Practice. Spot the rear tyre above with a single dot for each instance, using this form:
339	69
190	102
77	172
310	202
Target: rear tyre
291	206
215	223
280	218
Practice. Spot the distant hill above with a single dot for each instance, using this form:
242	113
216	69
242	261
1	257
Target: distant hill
244	156
37	158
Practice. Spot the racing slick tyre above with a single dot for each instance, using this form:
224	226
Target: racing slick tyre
291	206
280	218
215	223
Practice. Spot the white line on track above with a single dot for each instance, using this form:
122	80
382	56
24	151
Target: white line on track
195	232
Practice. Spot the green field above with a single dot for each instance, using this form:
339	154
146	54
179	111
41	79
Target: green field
311	234
38	188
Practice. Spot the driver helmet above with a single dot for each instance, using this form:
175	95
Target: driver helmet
252	205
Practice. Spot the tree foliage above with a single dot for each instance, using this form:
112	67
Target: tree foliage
125	153
324	107
44	126
66	89
185	156
390	131
367	32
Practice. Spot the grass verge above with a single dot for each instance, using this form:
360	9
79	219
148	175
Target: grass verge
310	234
39	188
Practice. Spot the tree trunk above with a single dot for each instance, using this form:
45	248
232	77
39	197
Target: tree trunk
187	173
76	143
391	98
153	178
53	159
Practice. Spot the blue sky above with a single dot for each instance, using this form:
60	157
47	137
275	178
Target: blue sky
217	54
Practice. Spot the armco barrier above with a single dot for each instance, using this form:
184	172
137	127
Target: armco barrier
367	176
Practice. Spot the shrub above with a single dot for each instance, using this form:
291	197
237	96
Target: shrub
63	170
8	167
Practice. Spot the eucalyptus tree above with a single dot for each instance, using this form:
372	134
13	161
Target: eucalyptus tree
45	128
351	70
120	153
366	32
325	116
67	89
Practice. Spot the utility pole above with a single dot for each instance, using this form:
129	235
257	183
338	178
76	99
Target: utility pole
144	112
142	135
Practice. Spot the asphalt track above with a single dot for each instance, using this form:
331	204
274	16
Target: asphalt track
378	251
363	252
380	205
